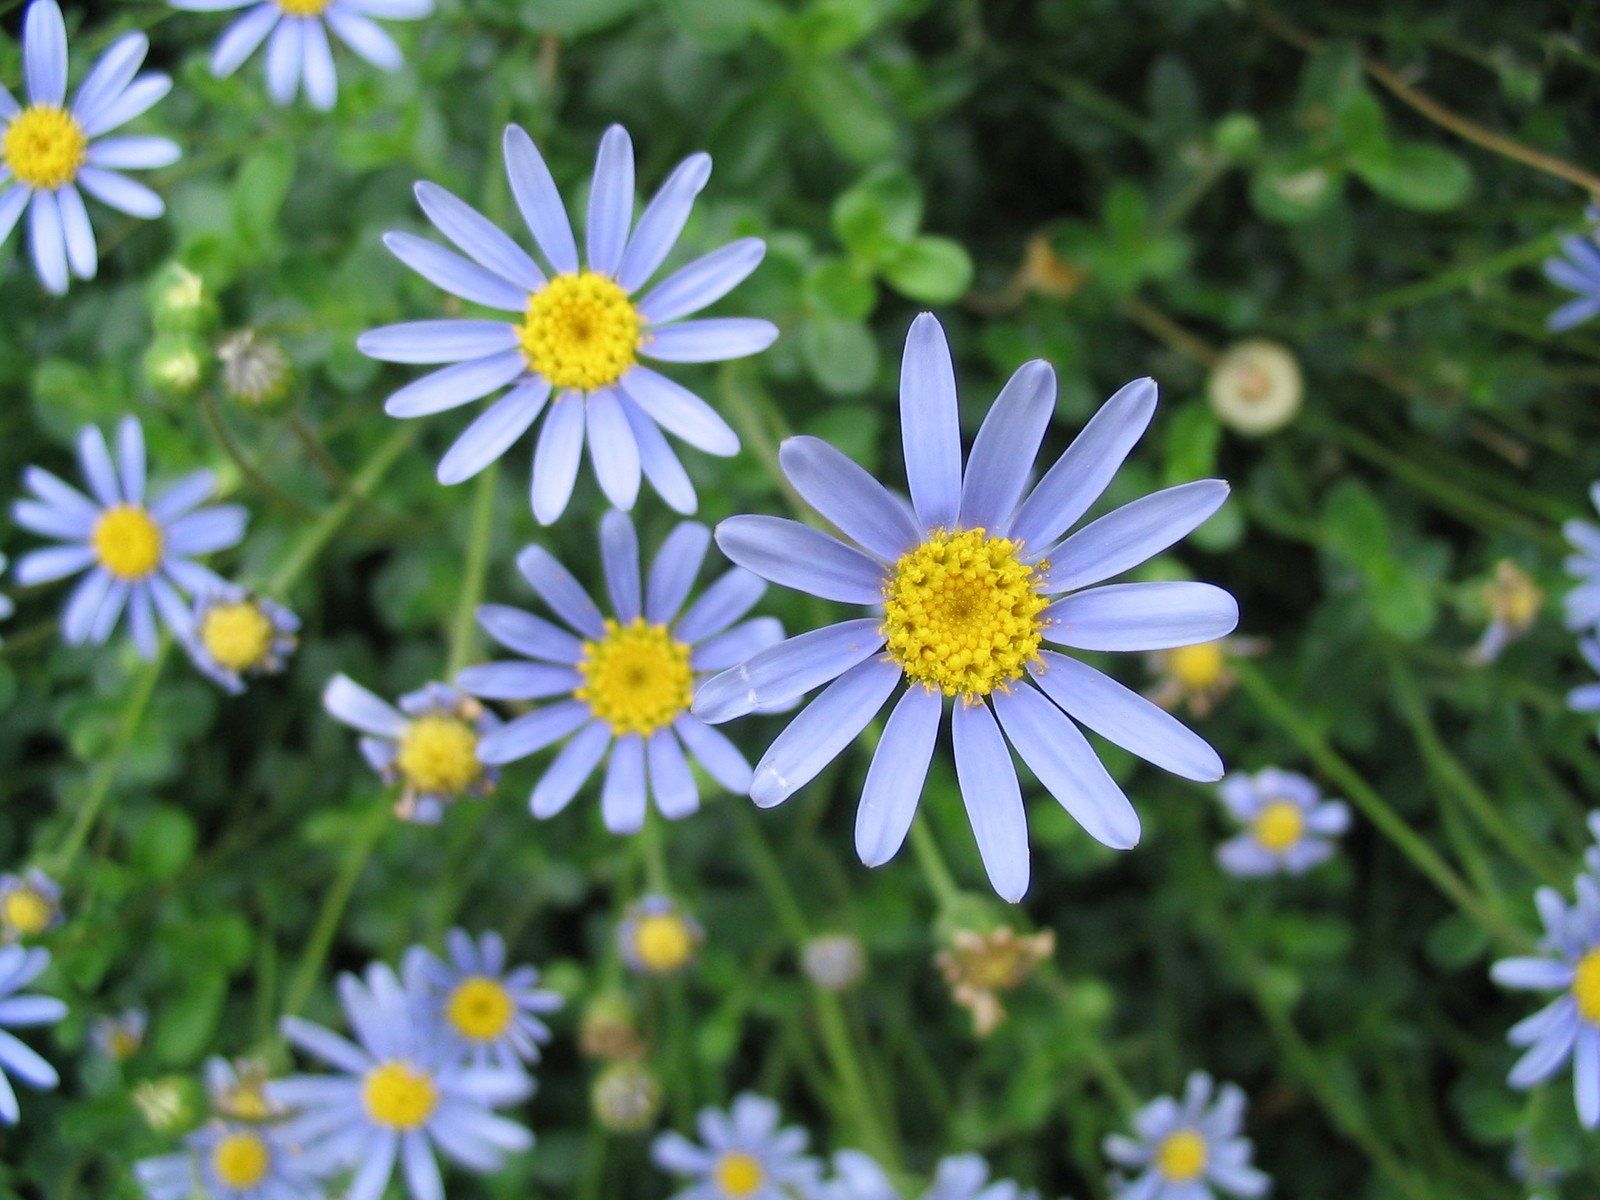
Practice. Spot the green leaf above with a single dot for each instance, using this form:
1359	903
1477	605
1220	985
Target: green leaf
1355	527
566	19
259	191
880	213
1296	188
1418	176
841	289
931	270
850	114
186	1021
1363	129
840	355
162	842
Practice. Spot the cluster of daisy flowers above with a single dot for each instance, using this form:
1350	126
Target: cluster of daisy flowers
438	1049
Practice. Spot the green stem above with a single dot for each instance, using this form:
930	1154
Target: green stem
925	847
247	468
463	632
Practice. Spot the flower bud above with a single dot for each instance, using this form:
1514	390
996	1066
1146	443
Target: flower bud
175	364
1256	387
256	373
180	301
626	1097
834	962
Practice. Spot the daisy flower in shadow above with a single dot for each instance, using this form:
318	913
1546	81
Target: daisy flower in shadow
1288	827
572	351
30	904
968	583
743	1155
1189	1150
490	1013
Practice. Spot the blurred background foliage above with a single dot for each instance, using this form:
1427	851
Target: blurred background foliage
1120	188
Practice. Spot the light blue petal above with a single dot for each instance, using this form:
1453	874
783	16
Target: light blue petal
358	708
72	525
110	75
326	1045
797	556
930	424
619	557
87	597
1132	534
558	589
737	645
555	459
1006	445
732	595
207	531
44	53
452	386
13	203
131	461
240	40
528	634
680	412
446	341
283	60
789	670
142	622
895	778
856	503
673	572
95	459
656	458
25	1062
377	1163
1142	616
992	797
145	92
421	1170
393	10
612	450
493	431
610	201
121	193
1586	1076
55	562
135	153
571	768
822	730
183	496
711	339
518	680
702	282
316	65
532	732
456	275
365	37
720	757
478	238
1532	974
47	240
671	783
622	795
539	201
662	221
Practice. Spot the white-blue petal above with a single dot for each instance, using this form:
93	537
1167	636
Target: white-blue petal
612	450
656	458
992	797
456	275
452	386
44	53
610	201
95	459
1132	534
365	37
711	339
135	153
822	730
720	757
1006	445
895	778
316	65
856	503
558	589
930	424
571	768
671	783
619	558
121	193
444	341
797	556
493	431
1142	616
622	795
732	595
357	707
702	282
680	412
555	459
131	460
146	91
283	60
540	201
240	40
532	732
478	238
673	571
662	221
48	242
788	670
737	645
527	634
110	75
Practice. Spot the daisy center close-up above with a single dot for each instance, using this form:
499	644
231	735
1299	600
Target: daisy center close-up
26	911
581	331
398	1095
439	753
663	941
1182	1156
739	1174
45	146
962	612
1586	986
637	678
127	541
303	8
480	1008
1197	667
238	636
241	1160
1279	825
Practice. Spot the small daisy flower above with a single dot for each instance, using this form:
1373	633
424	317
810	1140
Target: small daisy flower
50	148
657	937
121	1036
133	555
299	55
857	1176
1577	269
1201	676
1288	827
1514	602
573	350
1582	603
20	966
238	1090
224	1161
432	744
395	1097
1568	1028
1189	1151
236	634
967	585
30	904
490	1013
628	679
743	1155
1256	387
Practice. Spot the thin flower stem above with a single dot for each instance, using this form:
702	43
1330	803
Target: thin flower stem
925	848
1424	857
247	468
464	629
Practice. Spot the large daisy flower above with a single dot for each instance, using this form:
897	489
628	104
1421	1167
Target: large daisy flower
395	1097
50	149
1288	827
744	1155
18	968
578	333
1189	1150
134	555
628	679
967	586
299	54
490	1013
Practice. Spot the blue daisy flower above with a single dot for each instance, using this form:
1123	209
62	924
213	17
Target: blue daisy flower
1189	1150
119	1036
227	1161
396	1097
628	679
857	1176
238	1089
1576	268
237	634
20	966
432	744
658	936
967	585
299	54
1288	826
137	556
51	148
30	904
1582	603
579	334
489	1013
743	1155
1568	1028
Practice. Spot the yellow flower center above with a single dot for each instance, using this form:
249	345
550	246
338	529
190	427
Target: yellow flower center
26	911
398	1095
637	678
237	636
124	1043
45	146
248	1102
581	331
1182	1156
480	1008
738	1174
303	8
440	754
127	541
962	612
1279	825
663	941
241	1160
1586	986
1197	667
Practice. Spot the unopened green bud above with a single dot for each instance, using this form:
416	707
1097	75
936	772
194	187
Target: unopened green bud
1237	137
175	364
180	301
172	1105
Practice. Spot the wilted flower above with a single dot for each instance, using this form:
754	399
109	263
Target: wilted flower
626	1097
609	1028
1288	827
979	966
657	937
236	635
490	1013
256	372
1256	387
1514	602
1183	1151
744	1155
30	904
834	962
119	1037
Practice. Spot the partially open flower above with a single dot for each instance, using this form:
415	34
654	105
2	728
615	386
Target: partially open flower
1514	602
658	937
979	966
1256	387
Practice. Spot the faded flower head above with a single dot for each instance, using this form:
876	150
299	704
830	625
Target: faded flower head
979	966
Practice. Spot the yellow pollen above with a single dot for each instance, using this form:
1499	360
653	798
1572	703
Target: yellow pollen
237	636
961	612
439	754
1279	825
738	1174
480	1008
1586	986
26	911
241	1160
127	541
637	678
45	146
303	8
663	942
398	1095
581	331
1182	1156
1197	667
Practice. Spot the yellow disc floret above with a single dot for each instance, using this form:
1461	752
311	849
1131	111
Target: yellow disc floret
961	612
581	331
738	1174
1586	986
241	1160
1278	825
45	147
439	753
1197	667
637	678
663	941
480	1008
26	911
127	541
1182	1156
237	636
303	8
398	1095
